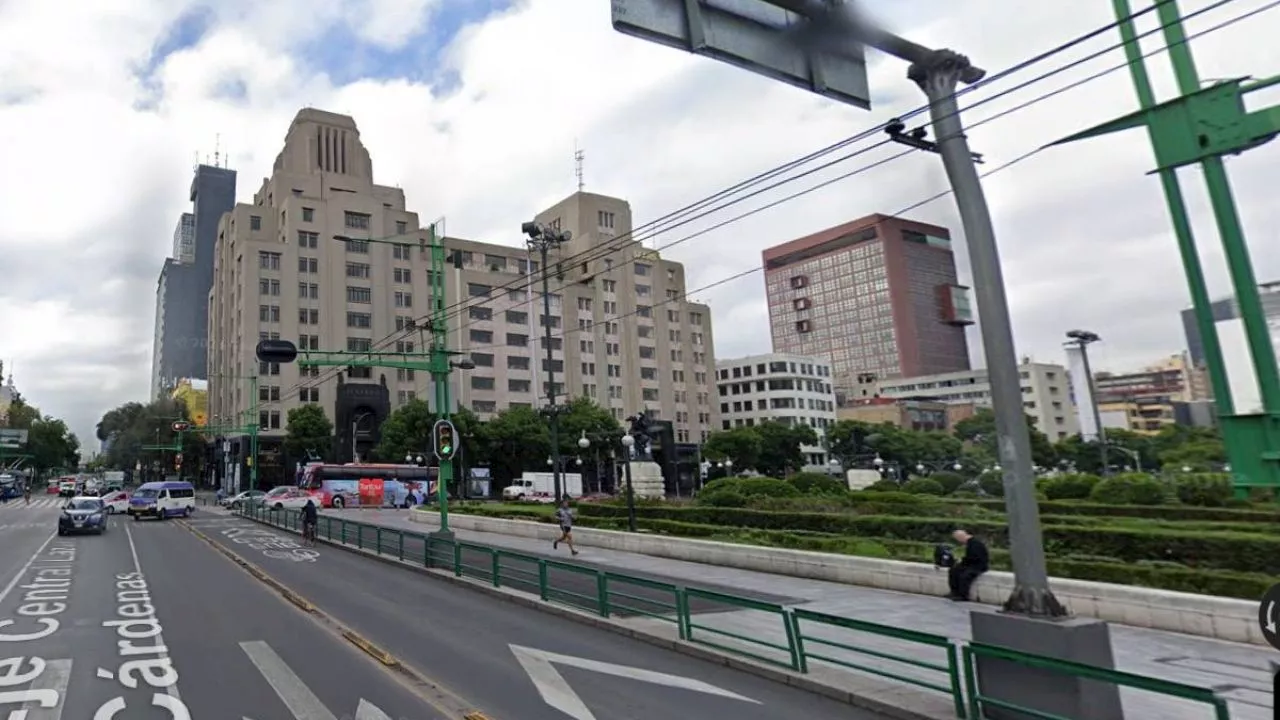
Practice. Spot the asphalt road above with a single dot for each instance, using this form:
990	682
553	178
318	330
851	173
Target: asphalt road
149	622
513	662
574	588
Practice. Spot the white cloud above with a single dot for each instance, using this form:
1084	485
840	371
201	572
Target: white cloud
96	163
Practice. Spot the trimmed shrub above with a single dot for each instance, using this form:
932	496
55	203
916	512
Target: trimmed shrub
1204	489
991	483
722	497
1073	486
752	487
949	481
883	486
1130	489
807	483
923	486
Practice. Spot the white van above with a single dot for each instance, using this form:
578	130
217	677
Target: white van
163	500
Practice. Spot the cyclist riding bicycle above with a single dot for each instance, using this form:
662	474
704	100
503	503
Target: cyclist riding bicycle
310	517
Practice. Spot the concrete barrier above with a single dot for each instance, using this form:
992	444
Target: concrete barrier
1228	619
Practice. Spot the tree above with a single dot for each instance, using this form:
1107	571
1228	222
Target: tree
518	440
473	437
741	445
979	430
407	431
131	426
308	432
780	453
851	440
583	416
51	445
20	415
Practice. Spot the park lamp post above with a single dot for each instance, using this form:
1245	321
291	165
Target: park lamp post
1083	339
628	443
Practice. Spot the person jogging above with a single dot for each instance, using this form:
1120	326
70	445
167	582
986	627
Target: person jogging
564	515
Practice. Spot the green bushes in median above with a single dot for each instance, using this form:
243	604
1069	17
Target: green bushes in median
1071	486
1130	489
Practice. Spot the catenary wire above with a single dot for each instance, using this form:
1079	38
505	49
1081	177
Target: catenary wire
527	281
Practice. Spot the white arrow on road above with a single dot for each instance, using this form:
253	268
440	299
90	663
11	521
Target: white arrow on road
1271	617
293	692
555	691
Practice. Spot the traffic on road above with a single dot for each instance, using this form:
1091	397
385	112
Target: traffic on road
158	620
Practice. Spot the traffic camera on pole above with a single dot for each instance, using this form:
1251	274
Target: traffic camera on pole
445	436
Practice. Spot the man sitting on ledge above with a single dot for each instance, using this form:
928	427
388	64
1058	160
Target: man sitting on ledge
976	561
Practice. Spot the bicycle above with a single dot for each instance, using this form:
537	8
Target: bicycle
309	534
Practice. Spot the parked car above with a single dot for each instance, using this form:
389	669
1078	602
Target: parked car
248	498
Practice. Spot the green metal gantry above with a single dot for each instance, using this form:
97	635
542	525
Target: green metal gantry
249	427
435	361
1200	127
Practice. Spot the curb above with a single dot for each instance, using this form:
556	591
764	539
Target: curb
888	708
436	695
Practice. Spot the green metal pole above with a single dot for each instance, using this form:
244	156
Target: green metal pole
1228	220
253	432
1200	301
440	366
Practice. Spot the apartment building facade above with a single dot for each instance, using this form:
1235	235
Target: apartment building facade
330	260
878	295
1157	396
1046	393
779	387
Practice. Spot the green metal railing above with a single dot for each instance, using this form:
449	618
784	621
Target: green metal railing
617	593
977	701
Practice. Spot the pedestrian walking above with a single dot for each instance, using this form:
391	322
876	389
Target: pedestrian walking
564	515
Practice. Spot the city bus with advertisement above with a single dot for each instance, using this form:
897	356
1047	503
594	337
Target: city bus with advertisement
367	484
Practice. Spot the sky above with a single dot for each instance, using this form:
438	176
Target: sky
475	107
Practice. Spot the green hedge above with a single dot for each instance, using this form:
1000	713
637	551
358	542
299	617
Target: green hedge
1155	512
1244	552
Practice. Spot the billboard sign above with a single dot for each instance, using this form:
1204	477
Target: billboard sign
12	439
754	35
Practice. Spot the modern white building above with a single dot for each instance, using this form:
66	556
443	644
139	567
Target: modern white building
1046	393
785	388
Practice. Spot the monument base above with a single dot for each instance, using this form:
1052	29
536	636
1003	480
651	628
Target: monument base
1081	640
646	480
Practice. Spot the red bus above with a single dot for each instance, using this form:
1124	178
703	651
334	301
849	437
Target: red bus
367	484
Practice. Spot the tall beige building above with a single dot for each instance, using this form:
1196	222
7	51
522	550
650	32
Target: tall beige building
296	265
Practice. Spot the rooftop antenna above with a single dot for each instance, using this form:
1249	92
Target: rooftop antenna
217	150
578	157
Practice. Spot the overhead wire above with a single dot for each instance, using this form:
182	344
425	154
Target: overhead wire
670	220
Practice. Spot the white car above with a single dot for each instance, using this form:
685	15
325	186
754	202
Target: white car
248	497
286	497
115	501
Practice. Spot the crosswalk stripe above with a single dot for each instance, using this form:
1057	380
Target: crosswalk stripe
293	692
56	675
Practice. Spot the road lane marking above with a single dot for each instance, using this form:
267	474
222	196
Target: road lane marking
557	693
56	676
292	691
22	571
172	690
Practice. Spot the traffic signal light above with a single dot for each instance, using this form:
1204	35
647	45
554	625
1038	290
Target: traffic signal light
276	351
445	440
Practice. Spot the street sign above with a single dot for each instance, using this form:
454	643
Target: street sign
12	439
555	690
754	35
1269	615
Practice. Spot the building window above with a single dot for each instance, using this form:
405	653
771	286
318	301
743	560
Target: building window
309	395
269	260
308	239
642	269
360	295
482	359
401	275
481	383
517	340
401	227
358	270
404	300
356	221
308	265
308	214
269	313
269	287
358	246
477	312
358	344
605	219
359	320
255	222
405	323
481	337
803	326
799	282
478	290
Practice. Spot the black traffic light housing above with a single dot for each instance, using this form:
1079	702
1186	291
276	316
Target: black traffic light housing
277	351
445	437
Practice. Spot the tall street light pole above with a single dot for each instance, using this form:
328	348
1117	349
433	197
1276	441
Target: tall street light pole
542	238
1083	339
628	443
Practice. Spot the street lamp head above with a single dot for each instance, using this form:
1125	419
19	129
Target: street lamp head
1083	336
833	462
1186	468
531	228
628	441
408	458
919	467
583	442
465	363
957	467
878	462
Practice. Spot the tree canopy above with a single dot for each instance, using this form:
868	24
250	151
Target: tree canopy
50	443
308	432
132	427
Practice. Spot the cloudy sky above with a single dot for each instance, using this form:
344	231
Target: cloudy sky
474	107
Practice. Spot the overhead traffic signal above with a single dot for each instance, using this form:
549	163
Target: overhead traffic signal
276	351
445	436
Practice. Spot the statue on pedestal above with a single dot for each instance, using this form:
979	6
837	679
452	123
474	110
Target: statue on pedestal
640	432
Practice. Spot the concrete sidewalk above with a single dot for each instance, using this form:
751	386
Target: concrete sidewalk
1239	672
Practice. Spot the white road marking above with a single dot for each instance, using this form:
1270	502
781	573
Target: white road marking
56	676
293	692
555	690
368	711
172	690
22	571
